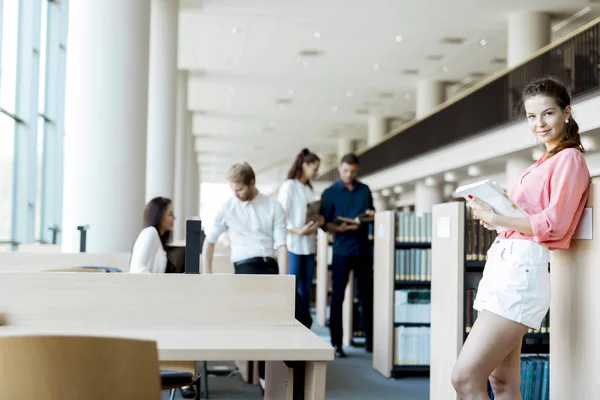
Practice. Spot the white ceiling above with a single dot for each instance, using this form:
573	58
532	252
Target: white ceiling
243	57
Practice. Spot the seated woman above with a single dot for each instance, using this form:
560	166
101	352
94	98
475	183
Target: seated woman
149	251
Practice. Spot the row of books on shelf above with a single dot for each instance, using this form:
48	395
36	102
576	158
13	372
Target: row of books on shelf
412	306
412	345
413	227
471	314
413	265
535	378
478	239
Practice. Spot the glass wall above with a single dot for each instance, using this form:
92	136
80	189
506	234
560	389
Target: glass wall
32	59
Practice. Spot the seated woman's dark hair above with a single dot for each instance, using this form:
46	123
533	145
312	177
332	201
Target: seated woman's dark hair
553	88
305	156
153	214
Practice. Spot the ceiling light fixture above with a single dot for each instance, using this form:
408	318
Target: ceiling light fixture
445	69
473	170
305	63
282	107
385	192
450	176
316	35
483	42
407	96
291	92
430	181
376	67
398	189
399	38
348	93
234	31
334	108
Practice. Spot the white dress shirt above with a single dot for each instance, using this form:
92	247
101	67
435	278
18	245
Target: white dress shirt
294	196
255	228
148	255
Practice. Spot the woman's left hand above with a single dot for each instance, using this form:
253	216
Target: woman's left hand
482	210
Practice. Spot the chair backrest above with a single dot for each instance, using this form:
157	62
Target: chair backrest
146	300
33	262
74	368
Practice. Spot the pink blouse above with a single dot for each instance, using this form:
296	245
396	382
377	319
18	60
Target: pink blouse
554	193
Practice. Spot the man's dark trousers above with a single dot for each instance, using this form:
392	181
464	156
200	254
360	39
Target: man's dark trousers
268	267
362	265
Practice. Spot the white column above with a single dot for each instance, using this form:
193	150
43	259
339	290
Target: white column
105	118
430	94
527	33
377	129
427	196
192	173
180	155
162	93
514	169
344	147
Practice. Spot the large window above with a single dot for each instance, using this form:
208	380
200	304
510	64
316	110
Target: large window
8	74
32	49
7	129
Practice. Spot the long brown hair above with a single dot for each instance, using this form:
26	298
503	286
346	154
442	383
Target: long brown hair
153	213
553	88
305	156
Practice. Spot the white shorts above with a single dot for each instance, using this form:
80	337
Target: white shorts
516	282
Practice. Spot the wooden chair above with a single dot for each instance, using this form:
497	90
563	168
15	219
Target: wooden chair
76	367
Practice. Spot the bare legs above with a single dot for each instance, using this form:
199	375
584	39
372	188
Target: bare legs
492	350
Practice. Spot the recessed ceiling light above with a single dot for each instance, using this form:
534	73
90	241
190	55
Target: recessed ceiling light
305	63
430	181
228	105
334	108
444	69
291	92
231	89
398	189
483	42
398	38
473	170
450	176
282	107
234	31
407	96
348	93
375	66
317	35
385	192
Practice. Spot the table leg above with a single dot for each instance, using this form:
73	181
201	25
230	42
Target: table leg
314	381
279	381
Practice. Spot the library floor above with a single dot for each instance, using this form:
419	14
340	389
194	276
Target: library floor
352	378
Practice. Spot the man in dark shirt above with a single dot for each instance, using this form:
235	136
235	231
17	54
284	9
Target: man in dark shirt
351	248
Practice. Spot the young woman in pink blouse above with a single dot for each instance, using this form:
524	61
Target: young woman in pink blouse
514	293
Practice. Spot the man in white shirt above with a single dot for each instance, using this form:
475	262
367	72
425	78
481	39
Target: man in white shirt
256	227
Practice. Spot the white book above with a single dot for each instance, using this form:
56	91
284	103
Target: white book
493	195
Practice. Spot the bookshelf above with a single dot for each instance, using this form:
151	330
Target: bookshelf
402	278
459	247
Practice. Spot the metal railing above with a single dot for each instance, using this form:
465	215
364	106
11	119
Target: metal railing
574	60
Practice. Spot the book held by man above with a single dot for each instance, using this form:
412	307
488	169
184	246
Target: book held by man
360	219
491	193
